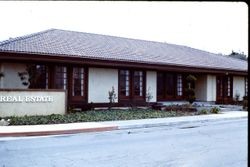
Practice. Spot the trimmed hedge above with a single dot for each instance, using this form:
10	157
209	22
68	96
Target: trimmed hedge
93	115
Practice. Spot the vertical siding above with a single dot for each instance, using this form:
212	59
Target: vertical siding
101	81
151	80
11	80
238	86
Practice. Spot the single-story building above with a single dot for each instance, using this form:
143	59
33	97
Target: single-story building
88	65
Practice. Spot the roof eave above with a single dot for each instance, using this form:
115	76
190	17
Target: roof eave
112	62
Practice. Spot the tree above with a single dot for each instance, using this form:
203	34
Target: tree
112	97
237	55
190	93
149	96
30	77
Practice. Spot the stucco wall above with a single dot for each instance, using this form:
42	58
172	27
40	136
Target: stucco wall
101	81
11	80
201	88
211	88
55	105
151	84
238	86
205	88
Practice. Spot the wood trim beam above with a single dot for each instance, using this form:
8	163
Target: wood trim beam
9	56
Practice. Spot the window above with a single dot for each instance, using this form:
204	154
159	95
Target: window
220	83
224	86
179	85
131	84
169	86
124	82
61	77
138	83
38	76
78	81
228	86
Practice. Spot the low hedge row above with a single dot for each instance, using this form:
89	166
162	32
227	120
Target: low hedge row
89	116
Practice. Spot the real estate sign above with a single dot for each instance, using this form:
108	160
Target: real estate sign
32	102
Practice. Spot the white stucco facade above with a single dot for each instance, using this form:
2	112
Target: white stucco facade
201	88
11	80
101	81
205	88
238	86
211	88
151	83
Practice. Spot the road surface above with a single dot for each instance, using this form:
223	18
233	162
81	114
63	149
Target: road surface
206	144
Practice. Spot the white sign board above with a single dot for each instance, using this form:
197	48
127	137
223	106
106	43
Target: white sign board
32	102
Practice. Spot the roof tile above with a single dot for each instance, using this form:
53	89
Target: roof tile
95	46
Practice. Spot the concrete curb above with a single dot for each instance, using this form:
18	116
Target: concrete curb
57	132
126	127
59	129
173	121
53	129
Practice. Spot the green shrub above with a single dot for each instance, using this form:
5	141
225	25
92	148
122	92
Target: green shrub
215	110
202	112
190	92
93	115
112	97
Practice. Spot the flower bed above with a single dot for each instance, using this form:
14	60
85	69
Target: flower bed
100	115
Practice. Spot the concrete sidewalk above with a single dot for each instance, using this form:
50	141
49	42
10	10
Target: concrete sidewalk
57	129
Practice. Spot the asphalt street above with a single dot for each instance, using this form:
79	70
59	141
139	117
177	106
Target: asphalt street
203	144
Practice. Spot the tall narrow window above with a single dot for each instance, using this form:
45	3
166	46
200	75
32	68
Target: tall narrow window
78	81
124	82
61	77
220	87
228	86
179	85
138	83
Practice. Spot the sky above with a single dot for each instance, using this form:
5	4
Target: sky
217	27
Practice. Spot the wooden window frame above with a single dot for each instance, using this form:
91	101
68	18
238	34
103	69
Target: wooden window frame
47	74
77	99
179	85
143	85
222	93
121	96
66	85
132	95
83	84
175	96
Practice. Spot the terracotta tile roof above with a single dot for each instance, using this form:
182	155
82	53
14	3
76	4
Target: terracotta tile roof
57	42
